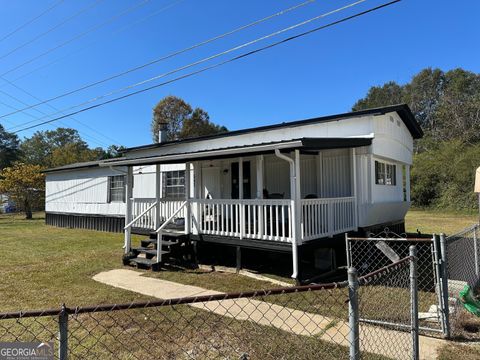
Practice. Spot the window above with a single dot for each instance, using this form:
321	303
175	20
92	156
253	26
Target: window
116	188
385	174
174	184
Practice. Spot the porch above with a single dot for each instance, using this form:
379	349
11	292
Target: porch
272	195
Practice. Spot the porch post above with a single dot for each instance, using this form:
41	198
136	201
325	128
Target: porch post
157	196
298	200
259	176
128	208
188	213
260	193
407	181
354	188
197	194
240	195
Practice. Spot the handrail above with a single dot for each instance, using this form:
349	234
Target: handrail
171	217
139	216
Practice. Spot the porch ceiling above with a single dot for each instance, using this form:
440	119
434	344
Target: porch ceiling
305	144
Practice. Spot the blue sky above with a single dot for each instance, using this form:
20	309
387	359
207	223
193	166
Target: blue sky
324	73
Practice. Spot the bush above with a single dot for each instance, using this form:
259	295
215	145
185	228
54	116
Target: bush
443	176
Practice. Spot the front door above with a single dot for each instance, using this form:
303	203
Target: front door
247	194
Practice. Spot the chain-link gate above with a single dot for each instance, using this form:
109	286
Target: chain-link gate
378	250
462	254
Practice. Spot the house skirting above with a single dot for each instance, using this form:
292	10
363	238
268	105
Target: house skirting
86	221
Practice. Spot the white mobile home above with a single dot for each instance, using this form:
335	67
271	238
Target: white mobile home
280	187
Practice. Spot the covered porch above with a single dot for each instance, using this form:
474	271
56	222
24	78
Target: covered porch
286	193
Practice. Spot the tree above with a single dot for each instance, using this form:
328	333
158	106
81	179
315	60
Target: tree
38	149
388	94
113	151
25	184
199	124
171	111
9	148
181	121
58	147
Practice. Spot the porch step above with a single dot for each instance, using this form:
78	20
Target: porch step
147	242
149	251
143	262
170	233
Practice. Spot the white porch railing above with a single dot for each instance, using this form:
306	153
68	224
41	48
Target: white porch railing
254	219
327	217
147	221
264	219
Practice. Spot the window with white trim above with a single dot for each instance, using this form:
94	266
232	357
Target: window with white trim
116	188
385	174
174	184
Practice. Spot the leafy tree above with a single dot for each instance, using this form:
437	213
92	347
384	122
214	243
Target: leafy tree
199	124
24	184
9	148
113	151
182	122
73	153
172	111
39	149
377	96
447	106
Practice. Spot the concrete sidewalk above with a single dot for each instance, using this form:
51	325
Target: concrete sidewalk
374	339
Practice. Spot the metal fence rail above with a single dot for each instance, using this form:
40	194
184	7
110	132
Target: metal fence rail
320	321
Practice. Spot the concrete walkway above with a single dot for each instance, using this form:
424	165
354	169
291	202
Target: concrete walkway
373	339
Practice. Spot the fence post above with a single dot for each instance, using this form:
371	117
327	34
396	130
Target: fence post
439	282
475	249
63	333
353	314
414	302
444	267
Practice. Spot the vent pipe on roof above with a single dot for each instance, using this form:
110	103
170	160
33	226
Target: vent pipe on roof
162	132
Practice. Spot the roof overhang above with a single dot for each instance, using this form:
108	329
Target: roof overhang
304	144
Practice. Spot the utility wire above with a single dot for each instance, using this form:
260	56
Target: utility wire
98	141
168	56
78	36
241	56
205	59
39	36
126	27
46	11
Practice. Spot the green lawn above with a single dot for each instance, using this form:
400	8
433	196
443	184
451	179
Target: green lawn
44	266
430	221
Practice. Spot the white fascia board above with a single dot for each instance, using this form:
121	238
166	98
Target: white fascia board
191	156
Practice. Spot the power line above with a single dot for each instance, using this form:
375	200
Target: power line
162	9
289	28
168	56
98	141
238	57
46	11
39	36
78	36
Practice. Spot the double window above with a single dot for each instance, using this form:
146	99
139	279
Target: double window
174	184
385	174
116	188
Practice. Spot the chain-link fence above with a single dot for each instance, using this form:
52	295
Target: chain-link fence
462	253
372	253
321	322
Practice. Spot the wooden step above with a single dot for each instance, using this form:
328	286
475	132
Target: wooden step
145	250
147	242
169	233
144	262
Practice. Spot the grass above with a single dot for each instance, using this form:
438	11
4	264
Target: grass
43	267
432	221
